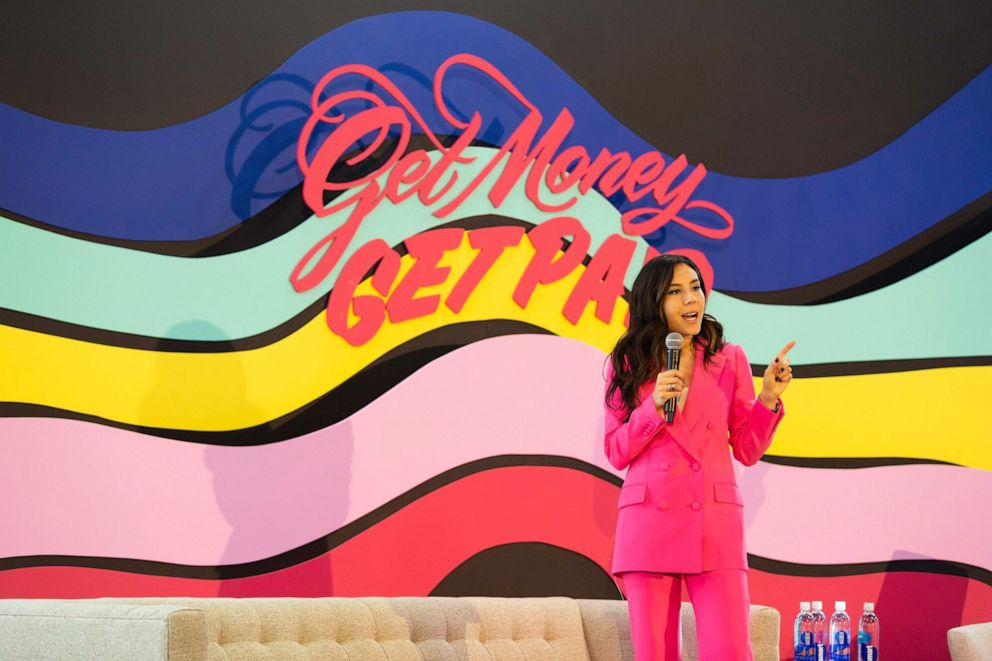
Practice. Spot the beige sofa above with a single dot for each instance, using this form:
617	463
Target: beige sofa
970	643
352	629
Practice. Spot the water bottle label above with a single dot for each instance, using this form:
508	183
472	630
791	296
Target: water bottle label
868	653
840	649
806	649
821	652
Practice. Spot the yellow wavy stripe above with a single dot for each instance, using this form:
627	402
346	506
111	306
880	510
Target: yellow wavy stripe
225	391
943	414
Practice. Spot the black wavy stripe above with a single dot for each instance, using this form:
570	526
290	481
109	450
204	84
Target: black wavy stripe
799	91
55	327
926	566
818	370
324	544
943	239
333	406
280	217
528	569
845	463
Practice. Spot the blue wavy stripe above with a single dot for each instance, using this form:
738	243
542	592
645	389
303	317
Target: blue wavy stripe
196	179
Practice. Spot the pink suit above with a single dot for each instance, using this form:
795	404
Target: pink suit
680	510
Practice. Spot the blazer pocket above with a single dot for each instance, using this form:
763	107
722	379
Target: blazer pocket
727	493
632	494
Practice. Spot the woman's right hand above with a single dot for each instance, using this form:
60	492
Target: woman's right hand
668	385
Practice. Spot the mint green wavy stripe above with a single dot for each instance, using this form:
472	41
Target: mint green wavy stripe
934	313
942	311
240	294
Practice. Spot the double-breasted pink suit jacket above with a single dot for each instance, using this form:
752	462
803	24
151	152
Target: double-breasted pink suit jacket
680	509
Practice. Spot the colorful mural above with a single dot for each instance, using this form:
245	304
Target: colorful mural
345	335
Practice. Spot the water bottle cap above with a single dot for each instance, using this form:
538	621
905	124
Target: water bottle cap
840	605
818	605
869	606
804	605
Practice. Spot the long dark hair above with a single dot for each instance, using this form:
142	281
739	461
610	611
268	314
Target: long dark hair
639	355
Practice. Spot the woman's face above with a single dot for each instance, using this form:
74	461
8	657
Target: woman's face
684	301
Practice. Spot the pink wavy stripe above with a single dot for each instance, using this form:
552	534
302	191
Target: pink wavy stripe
823	516
68	487
76	488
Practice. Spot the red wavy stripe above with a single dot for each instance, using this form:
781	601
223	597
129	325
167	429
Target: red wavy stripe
410	552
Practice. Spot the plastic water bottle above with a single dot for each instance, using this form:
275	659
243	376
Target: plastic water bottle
840	633
868	634
802	633
819	632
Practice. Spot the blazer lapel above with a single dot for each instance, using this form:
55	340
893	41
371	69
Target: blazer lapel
680	432
703	390
678	428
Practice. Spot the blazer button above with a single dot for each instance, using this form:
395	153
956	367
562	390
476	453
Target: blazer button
663	505
695	466
665	466
696	506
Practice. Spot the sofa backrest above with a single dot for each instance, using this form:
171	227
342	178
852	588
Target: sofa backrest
397	628
417	628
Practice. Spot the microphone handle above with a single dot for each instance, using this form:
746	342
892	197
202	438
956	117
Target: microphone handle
672	362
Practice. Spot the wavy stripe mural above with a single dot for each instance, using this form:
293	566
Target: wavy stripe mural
173	310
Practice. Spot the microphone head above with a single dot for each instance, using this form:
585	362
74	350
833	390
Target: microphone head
674	341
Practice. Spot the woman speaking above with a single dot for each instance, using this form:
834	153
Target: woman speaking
680	511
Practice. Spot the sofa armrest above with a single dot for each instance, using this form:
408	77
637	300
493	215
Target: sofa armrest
766	627
971	642
68	629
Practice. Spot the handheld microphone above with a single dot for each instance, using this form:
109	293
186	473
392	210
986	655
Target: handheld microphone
673	346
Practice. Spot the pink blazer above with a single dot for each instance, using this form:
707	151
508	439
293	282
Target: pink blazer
680	510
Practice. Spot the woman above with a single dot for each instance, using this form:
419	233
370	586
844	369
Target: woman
680	511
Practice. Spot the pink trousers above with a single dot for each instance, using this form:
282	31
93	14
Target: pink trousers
720	602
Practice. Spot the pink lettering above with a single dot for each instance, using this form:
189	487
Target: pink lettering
568	172
546	267
490	242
